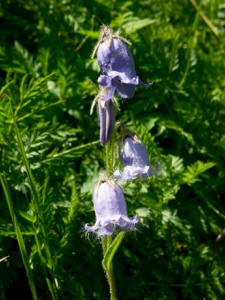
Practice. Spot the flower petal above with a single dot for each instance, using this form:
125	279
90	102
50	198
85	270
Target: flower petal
116	60
130	172
107	81
128	224
124	90
141	83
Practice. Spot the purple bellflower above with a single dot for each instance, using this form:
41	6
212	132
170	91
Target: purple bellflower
134	157
117	64
110	209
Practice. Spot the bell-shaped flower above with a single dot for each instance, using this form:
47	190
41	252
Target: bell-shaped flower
134	157
117	64
110	210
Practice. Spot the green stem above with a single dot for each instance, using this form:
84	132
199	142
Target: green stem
48	281
74	199
108	162
106	242
110	154
22	247
205	19
111	281
36	203
191	44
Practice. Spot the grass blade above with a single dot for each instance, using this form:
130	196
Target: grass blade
20	240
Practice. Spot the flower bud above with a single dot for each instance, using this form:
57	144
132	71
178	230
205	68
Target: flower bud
106	118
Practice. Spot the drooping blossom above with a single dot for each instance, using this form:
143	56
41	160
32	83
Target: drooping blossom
110	209
134	157
117	64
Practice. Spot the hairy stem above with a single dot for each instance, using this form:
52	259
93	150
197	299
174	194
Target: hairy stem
107	240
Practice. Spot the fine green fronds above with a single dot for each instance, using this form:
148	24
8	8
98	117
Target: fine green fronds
50	155
39	215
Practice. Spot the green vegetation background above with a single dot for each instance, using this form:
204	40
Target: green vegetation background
45	73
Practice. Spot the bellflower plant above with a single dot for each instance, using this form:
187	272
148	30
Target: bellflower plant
110	209
119	75
134	157
117	64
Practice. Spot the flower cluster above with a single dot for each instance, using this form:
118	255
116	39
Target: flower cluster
119	75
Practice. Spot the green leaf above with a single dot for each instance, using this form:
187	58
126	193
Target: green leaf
169	124
135	25
176	163
4	88
143	212
28	216
108	257
190	176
